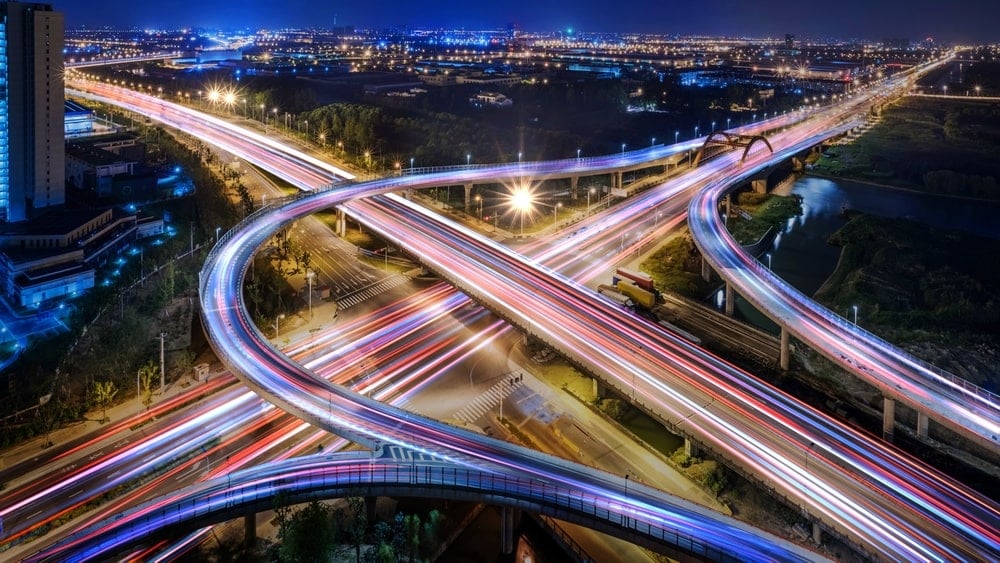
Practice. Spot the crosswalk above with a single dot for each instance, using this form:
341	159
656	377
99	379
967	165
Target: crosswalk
489	400
371	291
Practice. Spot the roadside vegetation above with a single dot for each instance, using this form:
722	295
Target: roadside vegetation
936	146
766	211
913	283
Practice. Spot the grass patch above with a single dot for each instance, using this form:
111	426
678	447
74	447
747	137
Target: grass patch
947	147
676	267
767	211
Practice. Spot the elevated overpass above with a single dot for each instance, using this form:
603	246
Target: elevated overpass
303	479
221	307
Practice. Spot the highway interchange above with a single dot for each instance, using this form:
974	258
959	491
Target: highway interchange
488	272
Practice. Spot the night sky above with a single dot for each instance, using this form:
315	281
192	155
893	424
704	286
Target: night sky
958	20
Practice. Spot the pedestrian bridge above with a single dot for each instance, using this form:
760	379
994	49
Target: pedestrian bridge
356	473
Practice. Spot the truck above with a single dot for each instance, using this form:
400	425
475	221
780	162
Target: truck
639	296
612	294
641	279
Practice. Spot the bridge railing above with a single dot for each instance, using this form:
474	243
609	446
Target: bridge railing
971	389
221	497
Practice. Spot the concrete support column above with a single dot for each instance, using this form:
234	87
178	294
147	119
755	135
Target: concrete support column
468	197
616	180
342	221
923	421
599	388
574	181
690	449
783	358
817	534
706	270
729	205
888	418
759	185
370	505
730	299
250	529
506	530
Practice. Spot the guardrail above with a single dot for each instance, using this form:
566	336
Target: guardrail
350	474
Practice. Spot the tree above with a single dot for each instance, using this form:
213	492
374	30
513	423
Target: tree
104	393
308	534
356	522
411	527
147	374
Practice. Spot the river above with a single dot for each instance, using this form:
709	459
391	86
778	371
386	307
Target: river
803	258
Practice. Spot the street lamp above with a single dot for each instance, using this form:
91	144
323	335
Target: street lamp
696	128
713	126
519	157
590	191
411	164
728	119
217	229
468	159
855	307
521	200
479	200
578	154
623	149
555	213
309	275
676	134
652	142
768	260
276	319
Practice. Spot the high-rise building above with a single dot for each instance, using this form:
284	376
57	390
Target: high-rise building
789	41
32	152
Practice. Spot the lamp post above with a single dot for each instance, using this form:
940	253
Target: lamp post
519	155
479	200
652	142
713	126
411	165
217	229
623	149
309	276
555	213
468	159
768	260
578	154
138	390
276	319
728	119
676	135
590	191
696	128
855	308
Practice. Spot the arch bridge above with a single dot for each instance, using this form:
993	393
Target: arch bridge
720	141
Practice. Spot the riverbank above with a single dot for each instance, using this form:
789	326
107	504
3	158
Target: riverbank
926	289
857	180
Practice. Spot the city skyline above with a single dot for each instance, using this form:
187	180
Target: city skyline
962	21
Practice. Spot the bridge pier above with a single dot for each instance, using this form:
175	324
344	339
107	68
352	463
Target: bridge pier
706	270
690	449
729	206
923	421
783	357
574	182
250	529
599	388
730	300
506	530
468	197
888	418
371	503
616	180
759	185
341	221
817	534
